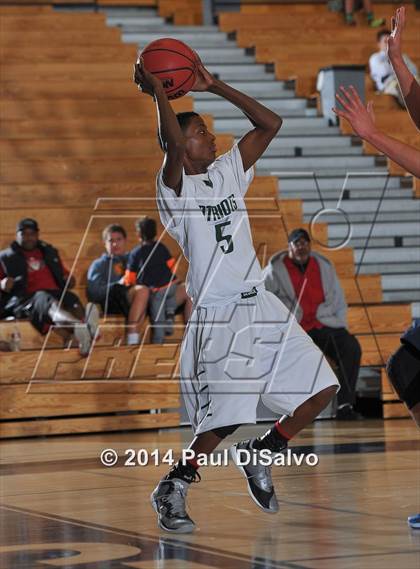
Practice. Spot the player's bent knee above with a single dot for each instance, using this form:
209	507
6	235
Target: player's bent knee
326	395
223	432
331	391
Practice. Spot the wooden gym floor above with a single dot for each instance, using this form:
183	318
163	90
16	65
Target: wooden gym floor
62	508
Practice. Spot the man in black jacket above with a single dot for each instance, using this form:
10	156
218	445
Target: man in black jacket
33	283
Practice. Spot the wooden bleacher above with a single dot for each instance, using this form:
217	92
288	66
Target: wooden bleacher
75	133
181	12
325	41
278	39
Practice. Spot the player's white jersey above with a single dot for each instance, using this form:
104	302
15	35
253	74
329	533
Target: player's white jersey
210	222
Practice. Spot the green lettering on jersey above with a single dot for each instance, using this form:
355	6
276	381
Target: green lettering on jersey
220	210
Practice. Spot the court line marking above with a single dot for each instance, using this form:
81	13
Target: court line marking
357	555
156	539
286	564
332	509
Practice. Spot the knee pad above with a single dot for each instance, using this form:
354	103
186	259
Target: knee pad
403	369
223	432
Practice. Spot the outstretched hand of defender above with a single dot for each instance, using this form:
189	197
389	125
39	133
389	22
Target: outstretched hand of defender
204	79
395	39
361	118
146	81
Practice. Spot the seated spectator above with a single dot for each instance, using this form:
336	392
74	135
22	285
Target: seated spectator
34	283
321	311
105	283
349	7
381	70
150	264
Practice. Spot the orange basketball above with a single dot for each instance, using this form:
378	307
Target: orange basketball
174	63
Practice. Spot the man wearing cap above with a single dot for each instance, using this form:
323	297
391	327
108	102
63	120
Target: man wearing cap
306	282
32	282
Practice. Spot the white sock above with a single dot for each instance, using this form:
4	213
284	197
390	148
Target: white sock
133	338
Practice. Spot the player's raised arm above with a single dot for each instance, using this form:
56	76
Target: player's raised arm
170	133
409	87
362	121
266	123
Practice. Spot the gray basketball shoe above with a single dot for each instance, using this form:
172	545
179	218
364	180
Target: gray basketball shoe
168	500
85	332
92	318
258	477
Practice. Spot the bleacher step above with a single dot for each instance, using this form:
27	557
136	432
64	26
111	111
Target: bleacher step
218	106
336	171
403	295
333	195
399	269
352	181
305	142
138	23
266	89
205	40
378	230
381	242
311	151
389	255
316	163
370	217
396	206
156	25
402	282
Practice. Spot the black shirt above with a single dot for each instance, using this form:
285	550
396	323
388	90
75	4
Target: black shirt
152	264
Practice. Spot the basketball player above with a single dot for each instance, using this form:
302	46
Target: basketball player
241	343
403	367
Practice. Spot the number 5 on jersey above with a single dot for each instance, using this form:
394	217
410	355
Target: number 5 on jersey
228	246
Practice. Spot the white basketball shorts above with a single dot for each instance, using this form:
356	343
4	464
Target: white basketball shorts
234	354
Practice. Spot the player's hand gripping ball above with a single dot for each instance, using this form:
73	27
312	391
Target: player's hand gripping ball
174	63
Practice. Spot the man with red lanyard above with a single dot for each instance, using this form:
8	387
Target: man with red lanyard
306	282
32	282
151	264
